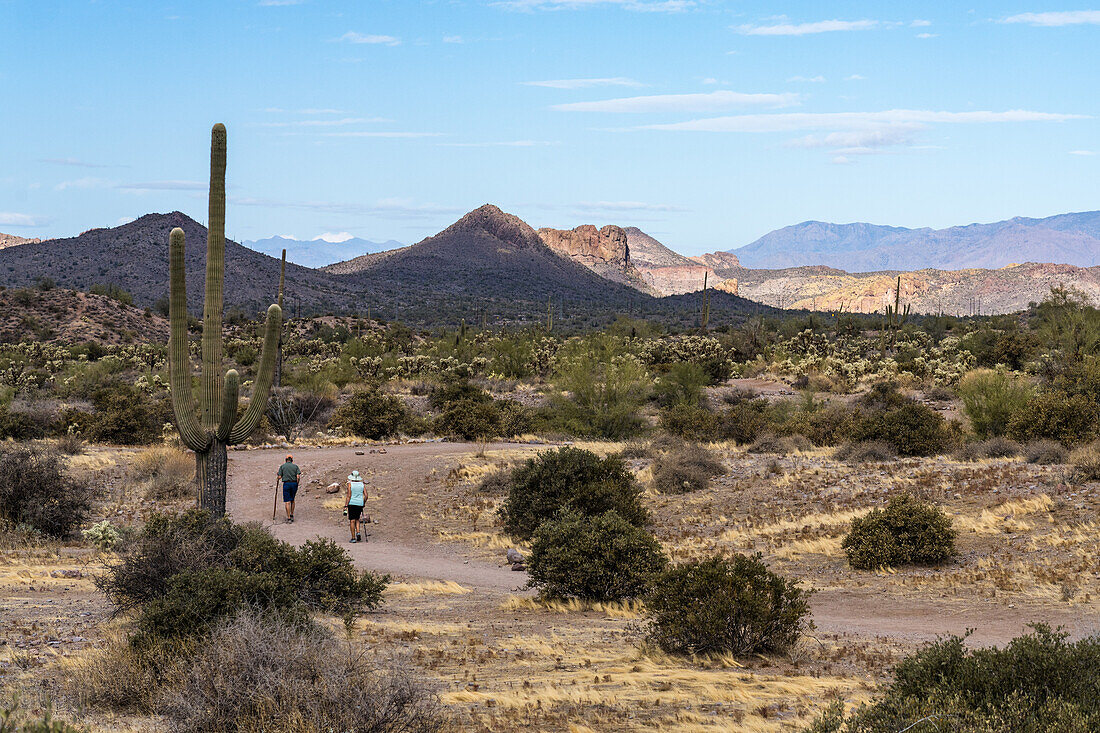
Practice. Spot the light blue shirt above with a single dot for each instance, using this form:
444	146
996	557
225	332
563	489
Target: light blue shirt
357	491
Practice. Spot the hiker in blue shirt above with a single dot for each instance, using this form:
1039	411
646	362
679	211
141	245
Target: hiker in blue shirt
356	498
289	475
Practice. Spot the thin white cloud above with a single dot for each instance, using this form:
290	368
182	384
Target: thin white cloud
643	6
123	220
791	121
621	206
803	29
353	37
333	237
12	219
453	39
612	81
927	35
711	101
841	160
325	123
76	162
921	23
278	3
1057	18
1082	152
85	182
389	208
855	77
164	186
504	144
819	79
854	141
383	134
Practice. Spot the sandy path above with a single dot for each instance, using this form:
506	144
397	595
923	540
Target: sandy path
399	546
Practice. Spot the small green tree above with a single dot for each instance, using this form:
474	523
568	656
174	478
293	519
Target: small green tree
371	413
593	558
907	532
991	399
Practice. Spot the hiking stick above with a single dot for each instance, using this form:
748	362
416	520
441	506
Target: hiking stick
275	506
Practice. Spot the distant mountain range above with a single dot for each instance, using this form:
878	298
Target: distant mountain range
488	264
1070	239
321	251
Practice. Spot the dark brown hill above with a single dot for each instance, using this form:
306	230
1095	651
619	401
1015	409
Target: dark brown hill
134	256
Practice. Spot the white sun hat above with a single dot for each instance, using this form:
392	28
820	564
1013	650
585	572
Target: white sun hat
355	476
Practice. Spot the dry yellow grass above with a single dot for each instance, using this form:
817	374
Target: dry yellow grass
488	540
1004	517
427	588
615	610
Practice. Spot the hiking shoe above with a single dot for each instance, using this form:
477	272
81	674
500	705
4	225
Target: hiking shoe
358	537
352	540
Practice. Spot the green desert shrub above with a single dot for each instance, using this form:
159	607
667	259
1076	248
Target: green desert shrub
1054	415
907	532
690	422
744	421
1037	683
26	421
1045	453
593	557
183	574
372	414
912	429
682	384
990	399
124	415
736	606
599	399
779	444
35	491
686	467
14	719
822	425
867	451
570	479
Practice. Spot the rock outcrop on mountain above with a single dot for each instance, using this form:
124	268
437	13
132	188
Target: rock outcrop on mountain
1072	239
10	240
668	272
604	251
718	260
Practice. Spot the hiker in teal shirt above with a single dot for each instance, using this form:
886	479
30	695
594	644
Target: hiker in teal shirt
289	475
355	497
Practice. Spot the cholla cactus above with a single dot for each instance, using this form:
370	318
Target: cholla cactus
216	425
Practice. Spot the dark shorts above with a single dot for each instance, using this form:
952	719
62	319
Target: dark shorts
354	511
290	488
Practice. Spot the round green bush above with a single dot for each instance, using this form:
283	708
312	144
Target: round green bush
1055	415
912	429
907	532
372	414
35	491
593	558
734	606
570	479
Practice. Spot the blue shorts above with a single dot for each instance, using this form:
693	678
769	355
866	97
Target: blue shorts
290	488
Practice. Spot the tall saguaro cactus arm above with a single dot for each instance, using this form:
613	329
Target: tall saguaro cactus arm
264	376
211	390
179	361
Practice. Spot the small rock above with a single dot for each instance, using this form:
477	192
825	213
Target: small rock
332	488
513	555
519	566
361	453
66	574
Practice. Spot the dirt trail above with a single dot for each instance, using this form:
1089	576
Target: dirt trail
399	546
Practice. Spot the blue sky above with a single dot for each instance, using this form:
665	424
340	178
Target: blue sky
707	123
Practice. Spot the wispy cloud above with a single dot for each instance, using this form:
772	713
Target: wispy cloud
383	134
1056	18
74	162
12	219
643	6
786	122
325	123
682	102
1082	152
856	142
85	182
612	81
388	208
453	39
624	206
819	79
855	77
306	111
921	23
278	3
504	144
353	37
164	186
927	35
803	29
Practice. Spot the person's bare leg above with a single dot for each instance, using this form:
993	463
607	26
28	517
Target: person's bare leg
290	510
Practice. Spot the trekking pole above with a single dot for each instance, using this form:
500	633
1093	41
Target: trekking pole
275	506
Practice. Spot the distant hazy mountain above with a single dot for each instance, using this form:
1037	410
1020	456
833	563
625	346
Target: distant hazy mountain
321	251
1072	239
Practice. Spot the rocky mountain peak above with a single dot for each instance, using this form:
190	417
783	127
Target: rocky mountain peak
496	223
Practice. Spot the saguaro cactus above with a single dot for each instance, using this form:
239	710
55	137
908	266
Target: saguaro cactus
216	425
